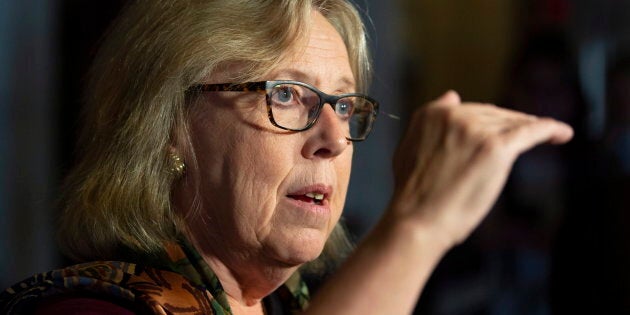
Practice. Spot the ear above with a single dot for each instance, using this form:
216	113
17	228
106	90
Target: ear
179	143
173	150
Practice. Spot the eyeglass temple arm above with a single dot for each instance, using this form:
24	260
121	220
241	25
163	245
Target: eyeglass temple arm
231	87
392	116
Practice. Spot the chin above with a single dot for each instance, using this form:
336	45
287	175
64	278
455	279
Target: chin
300	249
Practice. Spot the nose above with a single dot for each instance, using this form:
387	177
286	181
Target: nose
327	138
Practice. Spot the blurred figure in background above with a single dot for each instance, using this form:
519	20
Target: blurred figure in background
590	253
617	138
543	82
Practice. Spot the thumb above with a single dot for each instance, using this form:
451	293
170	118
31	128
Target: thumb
449	98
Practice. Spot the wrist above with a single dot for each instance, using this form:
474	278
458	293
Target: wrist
418	234
434	221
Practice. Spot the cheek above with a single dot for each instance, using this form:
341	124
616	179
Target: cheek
258	169
229	141
240	180
343	166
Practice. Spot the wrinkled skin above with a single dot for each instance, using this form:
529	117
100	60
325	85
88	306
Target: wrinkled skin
455	158
251	232
449	169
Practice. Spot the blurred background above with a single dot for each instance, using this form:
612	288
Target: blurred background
557	242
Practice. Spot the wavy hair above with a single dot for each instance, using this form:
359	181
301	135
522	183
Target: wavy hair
118	196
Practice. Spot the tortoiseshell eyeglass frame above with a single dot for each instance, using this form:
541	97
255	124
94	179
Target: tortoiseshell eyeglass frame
266	87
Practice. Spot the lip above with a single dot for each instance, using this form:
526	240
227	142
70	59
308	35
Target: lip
322	209
325	190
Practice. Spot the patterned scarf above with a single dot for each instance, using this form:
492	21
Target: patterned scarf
180	283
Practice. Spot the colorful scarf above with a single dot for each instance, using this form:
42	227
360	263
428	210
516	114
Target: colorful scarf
183	284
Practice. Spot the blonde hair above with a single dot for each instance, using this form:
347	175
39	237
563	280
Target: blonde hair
119	194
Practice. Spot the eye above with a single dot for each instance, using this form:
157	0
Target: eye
284	95
344	107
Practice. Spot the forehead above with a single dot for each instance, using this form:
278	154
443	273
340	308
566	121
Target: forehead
320	58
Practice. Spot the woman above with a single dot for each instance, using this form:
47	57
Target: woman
216	158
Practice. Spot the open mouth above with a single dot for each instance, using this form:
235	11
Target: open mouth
311	197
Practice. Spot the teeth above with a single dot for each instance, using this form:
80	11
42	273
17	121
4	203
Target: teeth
315	196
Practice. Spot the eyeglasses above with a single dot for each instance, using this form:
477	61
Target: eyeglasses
296	106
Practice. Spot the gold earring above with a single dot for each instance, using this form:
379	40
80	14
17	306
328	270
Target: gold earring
178	168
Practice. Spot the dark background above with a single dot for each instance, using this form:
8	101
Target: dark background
557	242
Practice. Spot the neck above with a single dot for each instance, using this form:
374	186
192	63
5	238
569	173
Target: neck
239	309
246	279
246	285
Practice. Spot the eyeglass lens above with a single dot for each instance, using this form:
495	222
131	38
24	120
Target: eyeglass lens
295	107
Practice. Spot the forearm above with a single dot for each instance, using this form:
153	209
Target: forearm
385	275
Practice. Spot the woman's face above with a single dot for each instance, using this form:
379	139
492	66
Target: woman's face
257	181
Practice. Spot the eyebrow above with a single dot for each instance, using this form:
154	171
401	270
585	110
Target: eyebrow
344	83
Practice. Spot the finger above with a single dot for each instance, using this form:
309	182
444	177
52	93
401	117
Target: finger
537	131
486	119
492	110
504	124
449	98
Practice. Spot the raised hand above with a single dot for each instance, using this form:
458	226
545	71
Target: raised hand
454	159
449	169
